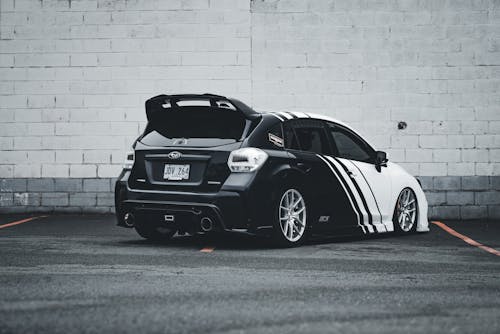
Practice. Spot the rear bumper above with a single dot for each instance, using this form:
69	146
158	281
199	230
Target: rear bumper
228	209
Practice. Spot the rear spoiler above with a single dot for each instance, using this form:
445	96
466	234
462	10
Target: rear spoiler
162	103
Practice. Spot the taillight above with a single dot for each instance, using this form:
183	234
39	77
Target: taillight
246	160
129	160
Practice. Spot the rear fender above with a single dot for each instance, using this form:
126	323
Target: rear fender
289	176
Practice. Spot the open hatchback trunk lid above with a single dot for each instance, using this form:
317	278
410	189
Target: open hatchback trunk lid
187	142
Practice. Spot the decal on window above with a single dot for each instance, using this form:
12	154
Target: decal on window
275	140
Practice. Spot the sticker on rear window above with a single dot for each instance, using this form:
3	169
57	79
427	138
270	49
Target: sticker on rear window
275	140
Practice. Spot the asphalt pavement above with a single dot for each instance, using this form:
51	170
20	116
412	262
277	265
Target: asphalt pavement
82	274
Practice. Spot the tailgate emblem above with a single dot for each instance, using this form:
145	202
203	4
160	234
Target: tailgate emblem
174	155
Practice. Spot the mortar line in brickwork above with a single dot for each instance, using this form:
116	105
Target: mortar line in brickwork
251	57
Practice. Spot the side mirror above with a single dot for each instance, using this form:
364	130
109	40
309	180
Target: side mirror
380	160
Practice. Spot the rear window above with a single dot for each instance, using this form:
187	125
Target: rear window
195	126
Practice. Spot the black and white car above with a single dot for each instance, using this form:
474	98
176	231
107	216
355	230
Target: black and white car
211	163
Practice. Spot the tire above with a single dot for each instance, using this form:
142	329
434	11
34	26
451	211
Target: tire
405	215
290	230
154	233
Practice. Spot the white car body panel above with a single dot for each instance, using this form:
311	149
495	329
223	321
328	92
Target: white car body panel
379	189
379	186
401	179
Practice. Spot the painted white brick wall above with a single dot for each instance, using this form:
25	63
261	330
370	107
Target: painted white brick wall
433	64
74	75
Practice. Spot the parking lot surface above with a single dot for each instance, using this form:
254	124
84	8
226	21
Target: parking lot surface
65	274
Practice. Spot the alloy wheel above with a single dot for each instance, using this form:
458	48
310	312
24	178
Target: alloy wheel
406	210
292	215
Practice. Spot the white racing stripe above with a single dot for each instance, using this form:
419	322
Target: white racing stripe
285	115
299	114
345	191
277	116
369	197
357	196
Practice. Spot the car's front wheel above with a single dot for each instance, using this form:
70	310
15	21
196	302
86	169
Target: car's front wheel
406	212
290	218
154	233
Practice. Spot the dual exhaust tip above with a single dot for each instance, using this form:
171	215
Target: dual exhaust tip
129	219
206	224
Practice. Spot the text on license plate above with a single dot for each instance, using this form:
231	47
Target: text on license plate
176	172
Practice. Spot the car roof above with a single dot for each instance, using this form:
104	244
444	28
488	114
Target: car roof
287	115
284	116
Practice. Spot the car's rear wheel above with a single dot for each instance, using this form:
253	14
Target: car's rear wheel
154	233
290	218
406	212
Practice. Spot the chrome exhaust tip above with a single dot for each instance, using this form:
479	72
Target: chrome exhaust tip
129	219
206	224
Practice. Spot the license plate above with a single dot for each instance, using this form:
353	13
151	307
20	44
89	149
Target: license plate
176	172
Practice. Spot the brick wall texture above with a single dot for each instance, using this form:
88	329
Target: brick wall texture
74	75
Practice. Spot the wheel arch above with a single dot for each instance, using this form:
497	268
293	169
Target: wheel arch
401	179
288	176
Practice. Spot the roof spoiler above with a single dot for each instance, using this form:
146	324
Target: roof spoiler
161	103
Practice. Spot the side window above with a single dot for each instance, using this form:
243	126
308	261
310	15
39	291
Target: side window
312	140
291	141
306	135
349	146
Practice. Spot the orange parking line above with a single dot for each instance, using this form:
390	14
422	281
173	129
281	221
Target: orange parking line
467	239
20	221
207	249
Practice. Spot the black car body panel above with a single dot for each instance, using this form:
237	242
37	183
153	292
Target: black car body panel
233	200
211	190
197	141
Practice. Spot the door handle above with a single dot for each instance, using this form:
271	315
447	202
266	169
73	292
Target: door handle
351	174
303	167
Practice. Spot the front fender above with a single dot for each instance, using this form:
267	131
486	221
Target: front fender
402	179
